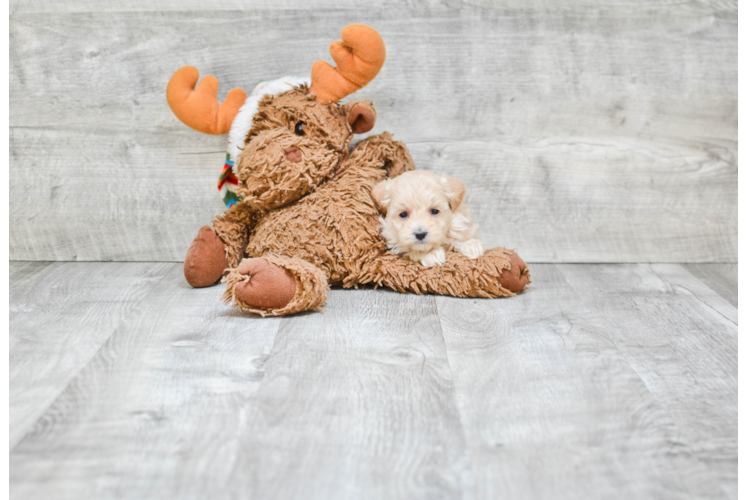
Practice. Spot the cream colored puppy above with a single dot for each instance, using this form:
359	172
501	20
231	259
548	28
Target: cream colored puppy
424	215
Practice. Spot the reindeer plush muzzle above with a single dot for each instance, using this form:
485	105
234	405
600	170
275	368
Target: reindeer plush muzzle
278	167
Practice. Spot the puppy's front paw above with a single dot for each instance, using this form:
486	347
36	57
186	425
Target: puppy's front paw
472	249
435	257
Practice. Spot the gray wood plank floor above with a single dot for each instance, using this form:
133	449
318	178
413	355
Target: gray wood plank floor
722	278
58	324
601	381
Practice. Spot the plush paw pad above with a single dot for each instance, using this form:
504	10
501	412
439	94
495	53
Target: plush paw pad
516	277
205	260
269	286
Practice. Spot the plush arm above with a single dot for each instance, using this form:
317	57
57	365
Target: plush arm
381	149
498	273
234	227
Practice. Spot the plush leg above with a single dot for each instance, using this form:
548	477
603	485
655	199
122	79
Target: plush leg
383	150
498	273
205	260
276	285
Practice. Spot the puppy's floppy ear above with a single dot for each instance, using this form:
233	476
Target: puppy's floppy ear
381	196
455	191
361	115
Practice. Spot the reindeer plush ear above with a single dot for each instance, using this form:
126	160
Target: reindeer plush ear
380	196
455	191
361	115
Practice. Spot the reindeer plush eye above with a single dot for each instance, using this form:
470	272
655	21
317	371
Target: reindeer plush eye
403	215
434	211
299	130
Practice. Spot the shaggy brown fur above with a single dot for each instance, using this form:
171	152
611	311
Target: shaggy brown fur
316	219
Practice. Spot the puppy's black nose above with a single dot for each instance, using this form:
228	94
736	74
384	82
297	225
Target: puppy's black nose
420	235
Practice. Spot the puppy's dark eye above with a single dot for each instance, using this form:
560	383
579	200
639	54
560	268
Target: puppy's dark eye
299	130
403	215
434	211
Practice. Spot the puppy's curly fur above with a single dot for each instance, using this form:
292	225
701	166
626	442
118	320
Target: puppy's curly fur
424	215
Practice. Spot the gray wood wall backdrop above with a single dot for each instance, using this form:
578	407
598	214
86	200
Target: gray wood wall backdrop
584	131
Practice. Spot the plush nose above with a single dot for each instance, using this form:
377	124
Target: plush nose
420	235
293	154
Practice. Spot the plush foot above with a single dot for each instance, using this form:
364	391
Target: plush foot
515	278
269	287
276	285
205	260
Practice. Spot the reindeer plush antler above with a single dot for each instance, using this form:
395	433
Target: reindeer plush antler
198	108
359	57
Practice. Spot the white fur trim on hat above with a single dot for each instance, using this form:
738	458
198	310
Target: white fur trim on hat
243	120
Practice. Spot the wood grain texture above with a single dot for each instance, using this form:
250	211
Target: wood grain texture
722	278
550	406
742	420
686	352
584	133
161	402
190	399
596	199
358	402
742	382
40	6
743	455
138	210
601	381
685	283
60	315
740	30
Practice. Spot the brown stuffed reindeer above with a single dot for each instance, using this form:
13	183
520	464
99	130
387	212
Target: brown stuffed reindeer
302	217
